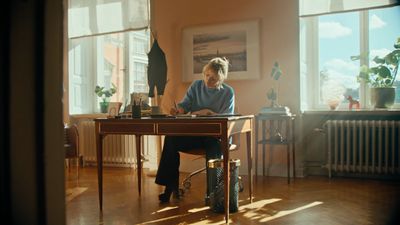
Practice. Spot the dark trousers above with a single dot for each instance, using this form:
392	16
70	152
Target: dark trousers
168	169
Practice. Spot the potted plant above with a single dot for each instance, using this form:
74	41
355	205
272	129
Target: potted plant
105	94
381	77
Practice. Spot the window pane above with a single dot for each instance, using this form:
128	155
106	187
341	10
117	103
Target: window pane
110	63
338	40
79	77
106	60
384	29
138	49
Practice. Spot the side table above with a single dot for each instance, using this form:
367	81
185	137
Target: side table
276	129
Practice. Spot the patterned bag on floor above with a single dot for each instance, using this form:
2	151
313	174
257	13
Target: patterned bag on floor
217	194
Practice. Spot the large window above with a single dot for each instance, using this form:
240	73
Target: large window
119	59
327	43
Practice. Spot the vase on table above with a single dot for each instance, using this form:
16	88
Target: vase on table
104	107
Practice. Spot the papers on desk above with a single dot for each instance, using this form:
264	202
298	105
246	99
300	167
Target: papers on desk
283	110
185	116
219	115
213	115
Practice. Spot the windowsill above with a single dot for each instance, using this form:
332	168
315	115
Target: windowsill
361	113
88	116
76	118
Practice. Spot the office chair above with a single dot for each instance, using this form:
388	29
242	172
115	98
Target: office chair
71	145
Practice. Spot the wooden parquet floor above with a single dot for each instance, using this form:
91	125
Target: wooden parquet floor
306	201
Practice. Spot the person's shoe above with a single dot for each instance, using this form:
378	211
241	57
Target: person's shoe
169	189
164	197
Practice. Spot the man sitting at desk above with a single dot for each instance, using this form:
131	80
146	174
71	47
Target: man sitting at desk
204	97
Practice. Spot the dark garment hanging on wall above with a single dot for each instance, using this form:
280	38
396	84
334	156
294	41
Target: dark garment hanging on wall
157	70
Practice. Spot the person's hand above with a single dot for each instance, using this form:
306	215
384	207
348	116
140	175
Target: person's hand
203	112
173	111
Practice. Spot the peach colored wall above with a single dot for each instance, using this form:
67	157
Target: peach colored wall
279	42
279	31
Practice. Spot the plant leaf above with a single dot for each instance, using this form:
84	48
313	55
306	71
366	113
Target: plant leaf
397	44
355	57
378	60
384	72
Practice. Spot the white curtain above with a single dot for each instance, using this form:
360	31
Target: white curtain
318	7
96	17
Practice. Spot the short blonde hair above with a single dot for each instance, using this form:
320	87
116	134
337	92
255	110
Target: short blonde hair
220	67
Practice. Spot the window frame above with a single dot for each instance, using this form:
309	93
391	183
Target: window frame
91	63
310	72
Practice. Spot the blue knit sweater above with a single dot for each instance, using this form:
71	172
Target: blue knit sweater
199	96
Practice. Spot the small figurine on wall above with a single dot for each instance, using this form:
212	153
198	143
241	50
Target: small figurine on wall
353	103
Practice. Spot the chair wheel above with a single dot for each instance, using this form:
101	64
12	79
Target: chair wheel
181	192
241	187
207	201
187	184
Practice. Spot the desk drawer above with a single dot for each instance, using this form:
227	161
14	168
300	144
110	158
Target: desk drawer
190	129
126	128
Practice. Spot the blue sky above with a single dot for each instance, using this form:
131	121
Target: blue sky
339	39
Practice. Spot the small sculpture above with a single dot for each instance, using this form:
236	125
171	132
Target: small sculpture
353	102
272	95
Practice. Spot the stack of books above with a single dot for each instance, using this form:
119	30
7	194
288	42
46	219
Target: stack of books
281	110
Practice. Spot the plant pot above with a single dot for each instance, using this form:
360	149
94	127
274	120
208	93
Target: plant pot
104	107
383	97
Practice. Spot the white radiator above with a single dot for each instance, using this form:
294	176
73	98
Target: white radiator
361	146
118	150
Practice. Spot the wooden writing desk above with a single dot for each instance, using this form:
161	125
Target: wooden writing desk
220	127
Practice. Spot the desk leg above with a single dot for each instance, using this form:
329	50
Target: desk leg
264	138
224	146
250	164
288	149
256	147
293	149
139	161
99	145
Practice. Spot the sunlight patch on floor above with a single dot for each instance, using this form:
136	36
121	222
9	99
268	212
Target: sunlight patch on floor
190	211
254	211
72	193
242	209
195	210
166	218
265	215
165	209
258	204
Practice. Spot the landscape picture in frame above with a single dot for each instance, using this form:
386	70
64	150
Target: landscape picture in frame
238	42
231	45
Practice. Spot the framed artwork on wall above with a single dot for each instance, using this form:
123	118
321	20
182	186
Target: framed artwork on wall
238	42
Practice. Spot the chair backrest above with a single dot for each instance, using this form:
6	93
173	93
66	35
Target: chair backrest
71	141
